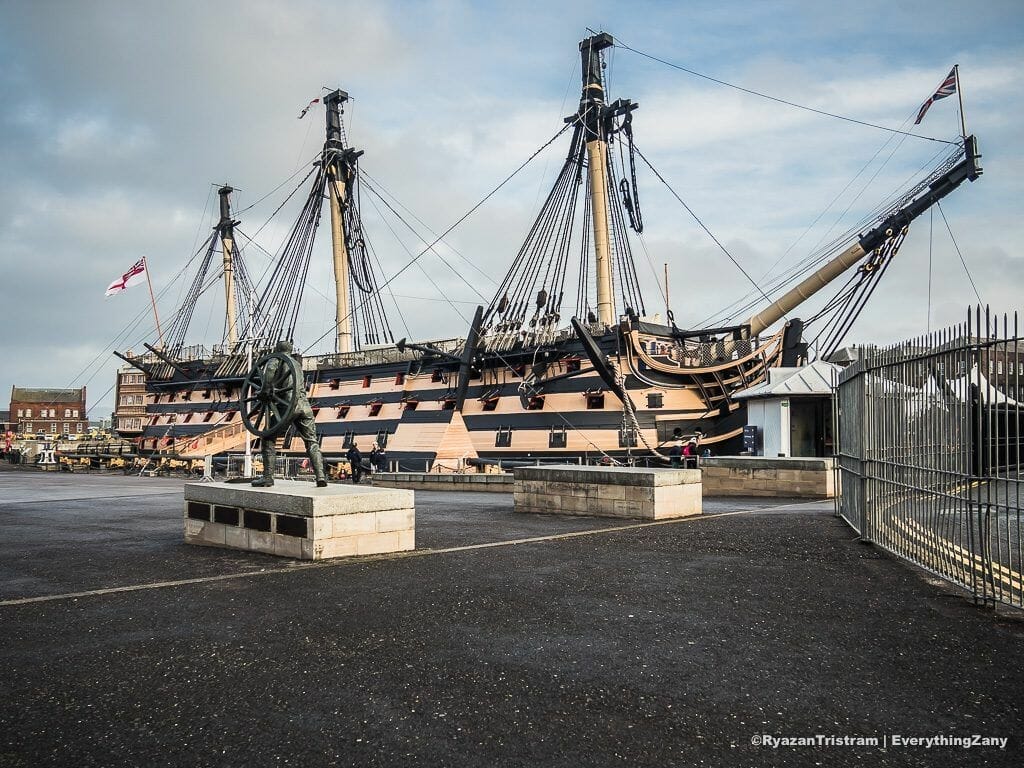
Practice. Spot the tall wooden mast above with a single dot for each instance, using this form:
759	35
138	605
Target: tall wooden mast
226	228
592	108
334	153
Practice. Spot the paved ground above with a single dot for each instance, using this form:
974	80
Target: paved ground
589	644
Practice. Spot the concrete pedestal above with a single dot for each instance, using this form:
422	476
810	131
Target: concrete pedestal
630	492
297	519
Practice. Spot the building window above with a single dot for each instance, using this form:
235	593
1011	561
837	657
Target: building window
28	427
67	429
67	413
627	437
655	399
503	438
595	400
556	438
21	412
28	413
53	428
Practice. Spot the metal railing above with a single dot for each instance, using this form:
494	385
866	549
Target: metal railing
929	453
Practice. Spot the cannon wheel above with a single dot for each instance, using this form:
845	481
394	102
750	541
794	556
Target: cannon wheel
267	407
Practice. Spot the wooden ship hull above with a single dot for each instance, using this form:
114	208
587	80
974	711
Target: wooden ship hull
612	386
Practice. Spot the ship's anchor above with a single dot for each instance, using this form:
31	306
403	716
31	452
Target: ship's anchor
270	395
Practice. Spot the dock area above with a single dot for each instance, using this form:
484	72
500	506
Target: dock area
502	640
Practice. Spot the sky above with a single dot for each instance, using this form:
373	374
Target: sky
119	120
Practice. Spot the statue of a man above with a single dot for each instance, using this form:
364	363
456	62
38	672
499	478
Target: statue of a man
305	427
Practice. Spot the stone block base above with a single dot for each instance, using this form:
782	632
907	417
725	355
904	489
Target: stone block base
766	476
629	492
297	519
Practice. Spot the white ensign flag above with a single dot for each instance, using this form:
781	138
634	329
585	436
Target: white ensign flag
133	276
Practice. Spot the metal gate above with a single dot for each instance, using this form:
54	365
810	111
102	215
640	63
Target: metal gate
929	453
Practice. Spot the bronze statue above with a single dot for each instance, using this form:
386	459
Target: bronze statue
274	398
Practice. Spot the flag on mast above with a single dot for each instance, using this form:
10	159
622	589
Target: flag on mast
133	276
302	114
948	88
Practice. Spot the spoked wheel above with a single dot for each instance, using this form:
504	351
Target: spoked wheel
270	395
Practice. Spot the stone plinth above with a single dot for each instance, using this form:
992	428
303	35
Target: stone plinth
297	519
630	492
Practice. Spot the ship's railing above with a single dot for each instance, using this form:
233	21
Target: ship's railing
377	356
506	336
688	353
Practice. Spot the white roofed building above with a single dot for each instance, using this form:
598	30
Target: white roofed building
792	412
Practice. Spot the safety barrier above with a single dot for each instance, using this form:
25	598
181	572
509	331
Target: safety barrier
929	453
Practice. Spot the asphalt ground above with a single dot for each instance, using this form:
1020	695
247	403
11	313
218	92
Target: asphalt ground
504	640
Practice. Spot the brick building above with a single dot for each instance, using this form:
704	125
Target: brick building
130	402
51	411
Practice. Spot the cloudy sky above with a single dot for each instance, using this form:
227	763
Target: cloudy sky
120	117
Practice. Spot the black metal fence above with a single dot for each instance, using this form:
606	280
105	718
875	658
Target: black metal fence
929	453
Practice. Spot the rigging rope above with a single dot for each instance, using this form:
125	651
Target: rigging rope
459	221
620	44
958	253
703	226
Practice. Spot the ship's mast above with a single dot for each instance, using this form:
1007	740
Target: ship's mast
226	228
334	151
592	108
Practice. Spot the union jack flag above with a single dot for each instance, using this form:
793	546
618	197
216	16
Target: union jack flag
133	276
948	88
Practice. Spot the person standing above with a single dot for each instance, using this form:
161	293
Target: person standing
675	454
378	458
355	460
690	453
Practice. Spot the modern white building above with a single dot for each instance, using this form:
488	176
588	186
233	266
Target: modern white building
793	410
